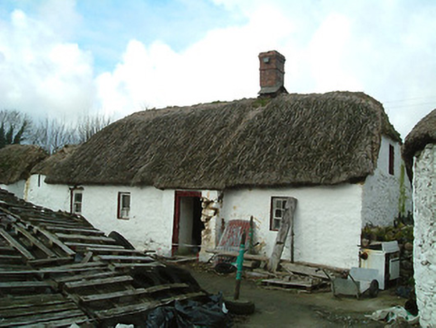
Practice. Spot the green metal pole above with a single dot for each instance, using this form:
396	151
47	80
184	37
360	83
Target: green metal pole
239	266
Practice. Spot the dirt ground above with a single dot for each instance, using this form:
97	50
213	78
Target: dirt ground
290	308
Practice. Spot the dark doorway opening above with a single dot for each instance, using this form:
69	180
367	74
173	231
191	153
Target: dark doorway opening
187	226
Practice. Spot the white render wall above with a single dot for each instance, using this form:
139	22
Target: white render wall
150	223
383	193
424	199
55	197
15	188
327	221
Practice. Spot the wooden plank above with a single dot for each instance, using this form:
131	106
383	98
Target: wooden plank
34	241
132	265
95	282
66	236
78	320
235	254
60	222
20	248
108	296
86	275
51	260
24	284
39	309
288	284
53	239
29	301
115	250
86	245
128	309
71	230
287	222
40	318
304	270
154	289
123	258
17	272
75	265
10	257
182	297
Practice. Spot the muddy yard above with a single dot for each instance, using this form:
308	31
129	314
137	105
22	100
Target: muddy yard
293	308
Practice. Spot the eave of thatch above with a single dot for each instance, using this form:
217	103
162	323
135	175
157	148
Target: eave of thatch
422	134
294	139
16	162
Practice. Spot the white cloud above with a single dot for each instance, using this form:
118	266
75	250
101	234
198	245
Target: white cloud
41	74
382	48
221	66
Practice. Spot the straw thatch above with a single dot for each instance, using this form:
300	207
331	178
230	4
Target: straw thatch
50	163
290	140
16	162
422	134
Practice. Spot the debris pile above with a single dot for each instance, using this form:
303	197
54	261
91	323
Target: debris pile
57	270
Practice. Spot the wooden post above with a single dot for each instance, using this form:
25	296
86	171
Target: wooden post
287	222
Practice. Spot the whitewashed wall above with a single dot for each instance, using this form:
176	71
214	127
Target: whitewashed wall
55	197
16	188
383	193
150	223
424	194
327	222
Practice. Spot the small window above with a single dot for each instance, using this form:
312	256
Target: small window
76	201
278	205
391	159
123	205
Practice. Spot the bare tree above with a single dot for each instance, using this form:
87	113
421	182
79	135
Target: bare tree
14	127
89	125
50	134
53	134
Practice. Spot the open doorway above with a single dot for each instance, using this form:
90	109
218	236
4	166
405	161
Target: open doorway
187	226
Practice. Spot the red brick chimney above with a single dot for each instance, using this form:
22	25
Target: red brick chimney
272	73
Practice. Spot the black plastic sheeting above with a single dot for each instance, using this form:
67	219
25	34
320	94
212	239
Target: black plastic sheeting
189	314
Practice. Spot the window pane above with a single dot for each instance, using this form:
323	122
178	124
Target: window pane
278	213
126	201
276	224
77	207
78	197
278	203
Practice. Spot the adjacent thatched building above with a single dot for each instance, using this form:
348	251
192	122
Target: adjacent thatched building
36	185
16	162
149	174
420	154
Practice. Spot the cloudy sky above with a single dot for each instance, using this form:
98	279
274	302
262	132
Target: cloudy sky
63	58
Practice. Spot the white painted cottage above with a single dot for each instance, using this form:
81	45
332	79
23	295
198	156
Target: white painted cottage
420	154
150	175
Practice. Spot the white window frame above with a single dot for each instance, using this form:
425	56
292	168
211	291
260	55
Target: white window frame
123	208
76	203
277	211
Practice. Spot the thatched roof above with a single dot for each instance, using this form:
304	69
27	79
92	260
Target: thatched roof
293	139
16	162
49	164
422	134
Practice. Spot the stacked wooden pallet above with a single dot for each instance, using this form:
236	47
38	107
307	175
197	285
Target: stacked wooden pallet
56	269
